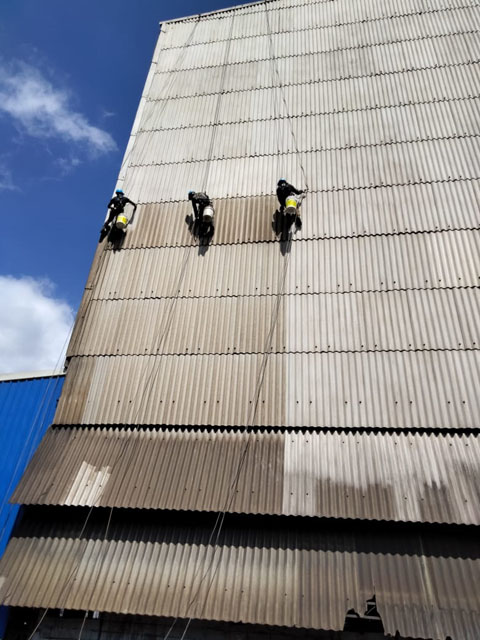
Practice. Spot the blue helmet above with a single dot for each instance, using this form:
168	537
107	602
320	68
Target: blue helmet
119	191
190	194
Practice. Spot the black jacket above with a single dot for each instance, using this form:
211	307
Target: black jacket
200	200
117	203
284	190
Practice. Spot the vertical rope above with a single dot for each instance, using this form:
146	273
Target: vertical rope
282	92
217	107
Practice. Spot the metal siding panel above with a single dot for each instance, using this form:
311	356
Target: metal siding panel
449	85
407	208
383	321
390	390
375	263
337	41
374	127
329	571
345	168
401	477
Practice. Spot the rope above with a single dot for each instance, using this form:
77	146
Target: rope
282	92
169	85
219	522
122	451
216	118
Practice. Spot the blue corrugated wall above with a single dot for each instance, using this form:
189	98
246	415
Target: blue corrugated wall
26	410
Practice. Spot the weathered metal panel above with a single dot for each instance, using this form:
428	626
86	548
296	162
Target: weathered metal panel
298	578
402	477
373	127
331	66
27	406
379	389
328	17
380	321
327	170
368	263
408	208
314	24
396	35
447	83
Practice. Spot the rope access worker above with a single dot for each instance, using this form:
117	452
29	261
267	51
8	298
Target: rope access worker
202	208
284	191
116	206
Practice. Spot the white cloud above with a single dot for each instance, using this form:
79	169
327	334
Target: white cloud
67	165
34	326
43	111
6	179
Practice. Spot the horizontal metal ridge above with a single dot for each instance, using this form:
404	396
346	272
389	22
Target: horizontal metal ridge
436	390
305	578
389	17
376	74
221	14
401	477
436	320
293	152
375	107
320	52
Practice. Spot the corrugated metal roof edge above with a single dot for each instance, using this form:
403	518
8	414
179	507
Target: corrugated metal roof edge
247	5
30	375
198	16
437	432
323	26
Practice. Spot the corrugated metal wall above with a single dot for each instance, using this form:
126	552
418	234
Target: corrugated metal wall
294	577
340	475
362	327
376	109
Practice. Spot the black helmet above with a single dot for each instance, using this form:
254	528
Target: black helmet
281	181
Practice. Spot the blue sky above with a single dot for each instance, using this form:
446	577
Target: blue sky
71	76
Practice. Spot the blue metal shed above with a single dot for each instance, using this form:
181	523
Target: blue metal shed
27	406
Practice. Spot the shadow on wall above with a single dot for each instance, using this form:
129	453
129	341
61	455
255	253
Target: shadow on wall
116	238
202	231
284	226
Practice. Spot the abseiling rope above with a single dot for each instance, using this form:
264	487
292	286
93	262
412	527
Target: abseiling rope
217	106
280	84
169	85
151	377
267	350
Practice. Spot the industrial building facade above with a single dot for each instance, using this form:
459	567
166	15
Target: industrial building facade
259	432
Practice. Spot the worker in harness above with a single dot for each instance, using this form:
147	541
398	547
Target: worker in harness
289	204
203	211
116	207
